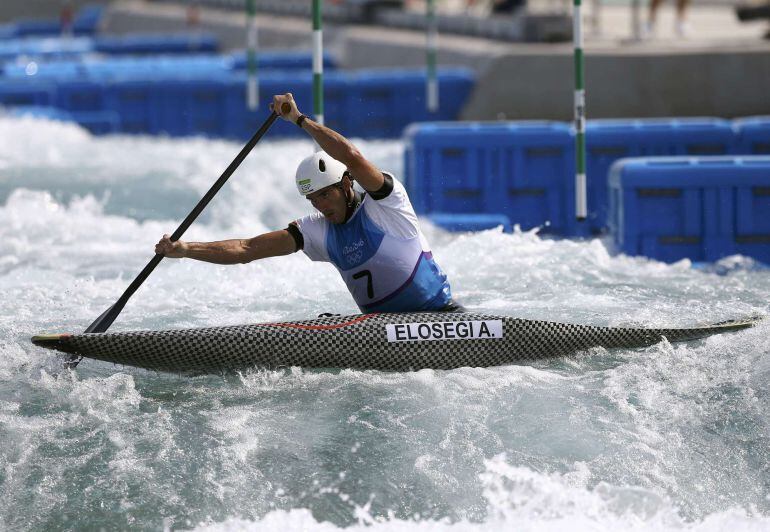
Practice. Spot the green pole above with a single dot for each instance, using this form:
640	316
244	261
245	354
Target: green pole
431	86
581	207
252	82
318	64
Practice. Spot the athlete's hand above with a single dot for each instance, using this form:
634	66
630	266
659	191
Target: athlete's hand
278	103
167	248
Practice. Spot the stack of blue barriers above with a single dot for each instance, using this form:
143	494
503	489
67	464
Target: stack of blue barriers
700	208
86	88
44	49
172	84
158	66
206	95
526	172
75	48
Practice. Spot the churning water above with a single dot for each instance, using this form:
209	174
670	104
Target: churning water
668	437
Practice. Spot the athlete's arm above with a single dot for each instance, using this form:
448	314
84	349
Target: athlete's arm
236	251
363	171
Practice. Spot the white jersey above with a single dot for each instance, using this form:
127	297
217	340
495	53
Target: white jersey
381	255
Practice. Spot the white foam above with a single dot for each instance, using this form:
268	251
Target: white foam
671	437
526	500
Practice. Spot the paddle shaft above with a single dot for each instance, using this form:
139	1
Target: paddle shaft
104	321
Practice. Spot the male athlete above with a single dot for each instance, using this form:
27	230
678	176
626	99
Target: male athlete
373	239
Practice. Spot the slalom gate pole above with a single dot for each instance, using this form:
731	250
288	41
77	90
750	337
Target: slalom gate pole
318	64
431	83
581	207
252	81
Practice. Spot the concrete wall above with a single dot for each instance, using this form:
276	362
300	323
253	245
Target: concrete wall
366	47
537	81
539	86
228	26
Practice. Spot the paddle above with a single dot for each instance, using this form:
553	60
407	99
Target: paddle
103	322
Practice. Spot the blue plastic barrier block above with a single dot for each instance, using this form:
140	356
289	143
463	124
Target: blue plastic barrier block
37	27
8	31
171	101
137	105
84	23
283	60
336	92
454	84
439	172
363	104
381	103
191	107
81	95
242	123
406	160
471	222
125	67
200	95
377	101
208	104
49	70
140	43
25	93
36	48
610	140
174	107
98	122
512	168
753	135
701	208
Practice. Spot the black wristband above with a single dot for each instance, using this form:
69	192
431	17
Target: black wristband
296	234
300	119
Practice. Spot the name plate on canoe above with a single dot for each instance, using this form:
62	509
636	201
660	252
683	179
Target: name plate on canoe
446	330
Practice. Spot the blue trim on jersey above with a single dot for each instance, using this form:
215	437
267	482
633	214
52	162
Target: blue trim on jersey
351	244
426	289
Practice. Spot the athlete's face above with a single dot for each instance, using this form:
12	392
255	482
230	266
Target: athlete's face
331	202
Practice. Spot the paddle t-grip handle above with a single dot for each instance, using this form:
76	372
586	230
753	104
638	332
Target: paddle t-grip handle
285	108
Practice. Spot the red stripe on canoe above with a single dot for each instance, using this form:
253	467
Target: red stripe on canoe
321	327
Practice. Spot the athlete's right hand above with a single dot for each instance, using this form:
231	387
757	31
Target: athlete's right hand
167	248
278	106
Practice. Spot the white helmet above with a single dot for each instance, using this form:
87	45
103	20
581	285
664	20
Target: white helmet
318	171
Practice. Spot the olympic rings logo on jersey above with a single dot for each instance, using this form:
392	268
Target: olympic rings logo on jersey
353	252
354	258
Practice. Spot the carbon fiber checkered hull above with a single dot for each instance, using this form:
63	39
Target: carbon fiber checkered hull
447	341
